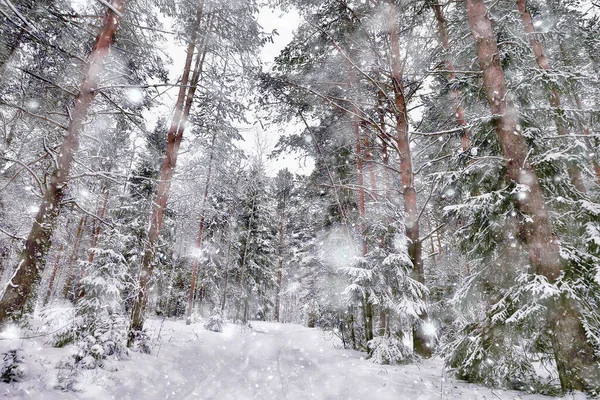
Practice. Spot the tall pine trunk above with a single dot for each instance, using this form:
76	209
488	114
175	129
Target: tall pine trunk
451	75
174	137
555	103
575	360
190	305
31	263
422	342
367	306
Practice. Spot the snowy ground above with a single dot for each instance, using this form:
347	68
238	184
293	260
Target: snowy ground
269	361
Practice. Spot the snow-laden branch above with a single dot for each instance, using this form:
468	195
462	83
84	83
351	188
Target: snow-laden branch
110	7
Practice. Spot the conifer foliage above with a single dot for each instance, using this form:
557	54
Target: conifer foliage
452	208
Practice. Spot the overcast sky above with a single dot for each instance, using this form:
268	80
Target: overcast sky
285	24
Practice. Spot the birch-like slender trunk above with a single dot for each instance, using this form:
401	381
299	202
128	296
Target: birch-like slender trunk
577	366
31	263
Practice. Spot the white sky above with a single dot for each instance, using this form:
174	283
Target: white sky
255	138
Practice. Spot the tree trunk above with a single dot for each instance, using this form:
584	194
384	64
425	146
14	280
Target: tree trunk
53	275
383	317
555	103
224	301
369	160
31	263
68	288
422	342
243	292
451	75
351	323
577	365
384	147
174	137
190	305
279	277
97	229
367	307
361	185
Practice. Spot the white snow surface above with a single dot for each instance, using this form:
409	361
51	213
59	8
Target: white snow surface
265	361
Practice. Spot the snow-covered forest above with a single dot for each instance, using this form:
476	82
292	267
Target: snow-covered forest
374	199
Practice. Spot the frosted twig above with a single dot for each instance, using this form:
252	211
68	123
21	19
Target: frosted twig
25	166
37	336
11	235
21	17
111	8
42	117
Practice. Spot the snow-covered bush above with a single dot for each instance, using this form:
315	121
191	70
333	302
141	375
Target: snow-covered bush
67	376
388	350
12	368
62	320
140	341
215	322
104	346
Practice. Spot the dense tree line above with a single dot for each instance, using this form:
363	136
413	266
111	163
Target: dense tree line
453	208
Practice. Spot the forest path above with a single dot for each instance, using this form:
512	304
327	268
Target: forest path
279	361
263	361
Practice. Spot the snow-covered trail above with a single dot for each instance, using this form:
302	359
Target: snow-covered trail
282	361
268	361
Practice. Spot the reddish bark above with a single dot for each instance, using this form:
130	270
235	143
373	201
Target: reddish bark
31	262
361	187
576	363
544	64
384	146
369	160
367	306
421	340
174	137
451	74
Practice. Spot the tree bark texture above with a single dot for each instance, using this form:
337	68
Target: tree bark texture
31	263
577	365
422	342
